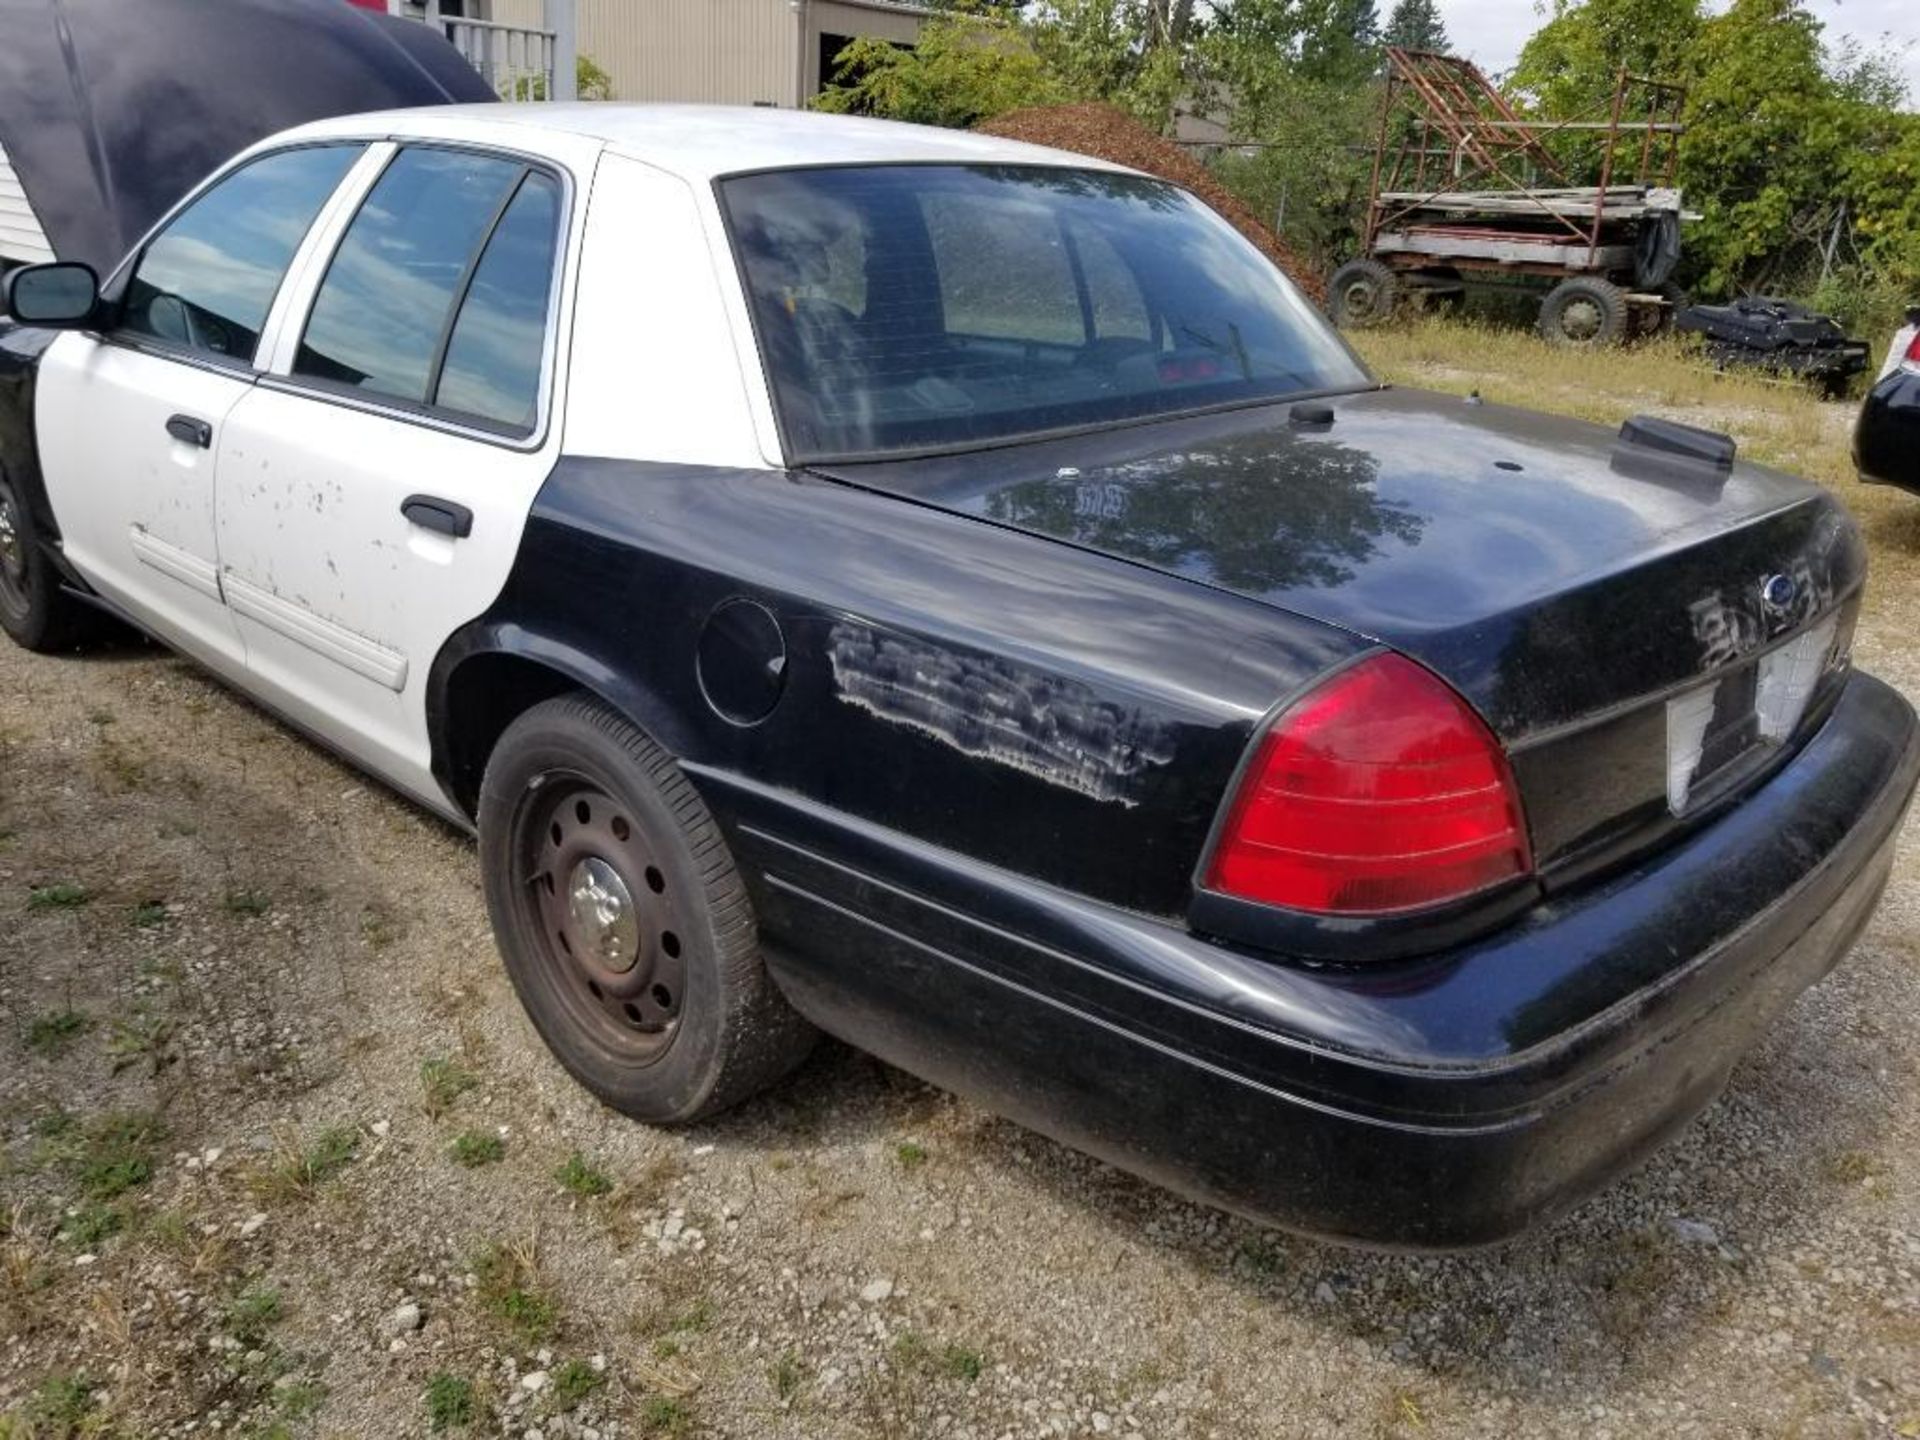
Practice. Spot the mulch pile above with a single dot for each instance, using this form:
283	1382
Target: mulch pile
1114	136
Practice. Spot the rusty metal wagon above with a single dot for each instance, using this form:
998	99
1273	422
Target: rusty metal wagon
1464	188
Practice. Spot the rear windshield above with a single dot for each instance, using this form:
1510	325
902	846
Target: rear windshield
926	307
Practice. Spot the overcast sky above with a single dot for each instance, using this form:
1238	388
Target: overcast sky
1491	32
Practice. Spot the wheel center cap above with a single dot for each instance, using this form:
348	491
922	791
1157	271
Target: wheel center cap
603	914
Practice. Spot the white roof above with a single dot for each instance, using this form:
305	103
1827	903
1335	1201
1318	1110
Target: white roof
698	142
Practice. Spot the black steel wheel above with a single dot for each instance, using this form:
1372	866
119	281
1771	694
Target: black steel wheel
33	610
624	925
1585	311
1362	293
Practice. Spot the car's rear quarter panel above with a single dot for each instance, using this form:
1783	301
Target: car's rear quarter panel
1068	717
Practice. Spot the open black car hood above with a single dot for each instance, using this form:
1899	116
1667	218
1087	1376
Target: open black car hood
111	110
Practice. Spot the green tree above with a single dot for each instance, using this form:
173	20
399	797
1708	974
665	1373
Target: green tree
963	70
1106	50
1340	41
1295	80
1771	137
1416	25
1570	65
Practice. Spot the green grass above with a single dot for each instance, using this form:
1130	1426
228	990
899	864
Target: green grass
298	1169
61	896
443	1081
572	1383
62	1406
664	1415
108	1156
911	1154
579	1177
787	1375
90	1224
149	913
332	1150
511	1289
960	1362
246	903
451	1403
252	1312
474	1148
300	1399
142	1035
49	1034
528	1311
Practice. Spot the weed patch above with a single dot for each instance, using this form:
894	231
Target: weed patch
579	1177
474	1148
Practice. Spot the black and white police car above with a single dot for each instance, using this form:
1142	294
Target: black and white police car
960	596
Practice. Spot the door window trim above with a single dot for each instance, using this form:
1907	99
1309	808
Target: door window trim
115	285
279	375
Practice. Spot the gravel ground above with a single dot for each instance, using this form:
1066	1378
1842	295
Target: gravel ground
251	1023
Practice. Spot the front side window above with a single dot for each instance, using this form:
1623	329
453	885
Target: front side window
207	281
920	307
438	293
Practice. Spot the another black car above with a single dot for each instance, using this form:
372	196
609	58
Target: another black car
960	597
1886	438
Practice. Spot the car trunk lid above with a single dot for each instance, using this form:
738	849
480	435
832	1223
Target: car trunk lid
1608	612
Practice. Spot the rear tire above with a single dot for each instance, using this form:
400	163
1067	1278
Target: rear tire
1585	312
624	925
34	610
1362	293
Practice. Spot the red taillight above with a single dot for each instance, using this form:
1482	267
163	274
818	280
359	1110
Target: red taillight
1913	351
1378	791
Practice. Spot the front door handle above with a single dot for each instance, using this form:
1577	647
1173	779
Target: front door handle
430	512
189	431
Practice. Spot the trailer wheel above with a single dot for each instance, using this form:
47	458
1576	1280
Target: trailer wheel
1362	293
1677	300
1585	311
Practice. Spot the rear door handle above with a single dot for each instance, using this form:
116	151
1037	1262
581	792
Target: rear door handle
189	431
430	512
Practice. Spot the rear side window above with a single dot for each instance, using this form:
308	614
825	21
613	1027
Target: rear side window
493	359
438	294
206	282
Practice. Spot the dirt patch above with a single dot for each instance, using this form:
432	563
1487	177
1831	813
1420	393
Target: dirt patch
1109	134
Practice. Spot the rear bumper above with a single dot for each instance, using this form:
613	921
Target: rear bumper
1886	438
1443	1102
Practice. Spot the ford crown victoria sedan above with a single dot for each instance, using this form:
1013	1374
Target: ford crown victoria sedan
959	597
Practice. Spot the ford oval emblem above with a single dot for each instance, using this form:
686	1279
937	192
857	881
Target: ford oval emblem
1777	593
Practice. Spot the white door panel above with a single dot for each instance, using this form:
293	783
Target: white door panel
135	505
343	602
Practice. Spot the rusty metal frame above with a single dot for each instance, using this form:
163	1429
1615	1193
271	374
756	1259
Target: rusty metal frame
1453	114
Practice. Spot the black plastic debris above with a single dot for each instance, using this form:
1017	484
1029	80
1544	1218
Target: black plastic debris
1777	335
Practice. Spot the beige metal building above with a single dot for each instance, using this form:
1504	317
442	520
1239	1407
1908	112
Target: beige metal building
733	52
22	242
